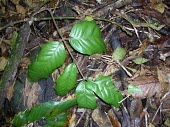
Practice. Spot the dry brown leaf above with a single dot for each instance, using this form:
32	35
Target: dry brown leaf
21	10
142	47
136	108
148	84
3	48
100	118
10	91
113	119
24	62
163	79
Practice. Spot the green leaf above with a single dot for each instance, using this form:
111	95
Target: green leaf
47	110
119	53
58	121
140	60
86	38
85	96
106	91
67	80
134	89
51	56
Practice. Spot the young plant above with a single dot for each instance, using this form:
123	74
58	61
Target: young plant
85	38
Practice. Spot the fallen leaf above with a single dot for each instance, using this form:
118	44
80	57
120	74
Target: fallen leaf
3	63
136	108
142	47
114	121
10	91
151	125
119	53
21	10
100	118
148	84
159	7
72	119
134	89
140	60
33	95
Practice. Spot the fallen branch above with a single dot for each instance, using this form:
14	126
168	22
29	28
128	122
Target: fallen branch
9	75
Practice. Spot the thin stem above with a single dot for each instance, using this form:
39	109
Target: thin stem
58	30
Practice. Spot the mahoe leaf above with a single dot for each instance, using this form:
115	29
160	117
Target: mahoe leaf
85	96
67	80
47	110
86	38
106	91
51	56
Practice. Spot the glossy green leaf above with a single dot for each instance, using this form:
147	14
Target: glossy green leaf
119	53
140	60
86	38
134	89
51	56
106	91
58	121
47	110
67	80
85	96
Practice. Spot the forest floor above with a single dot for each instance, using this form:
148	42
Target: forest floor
140	27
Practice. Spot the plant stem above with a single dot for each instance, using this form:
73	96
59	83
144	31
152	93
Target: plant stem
64	42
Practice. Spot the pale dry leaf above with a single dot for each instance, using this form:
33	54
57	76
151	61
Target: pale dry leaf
15	2
151	125
33	95
3	63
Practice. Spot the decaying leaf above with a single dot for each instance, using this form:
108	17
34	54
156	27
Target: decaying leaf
136	108
3	63
114	121
10	91
148	84
100	118
33	94
21	10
